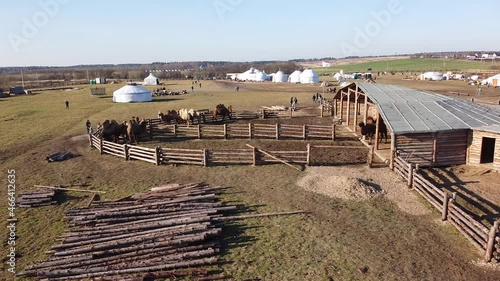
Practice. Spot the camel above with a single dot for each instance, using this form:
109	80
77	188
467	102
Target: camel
220	109
111	130
134	130
170	116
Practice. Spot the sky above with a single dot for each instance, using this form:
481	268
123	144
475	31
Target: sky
73	32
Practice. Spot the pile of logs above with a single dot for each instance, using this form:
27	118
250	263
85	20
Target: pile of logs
37	198
172	231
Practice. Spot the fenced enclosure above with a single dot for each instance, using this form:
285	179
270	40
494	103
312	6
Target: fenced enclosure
486	240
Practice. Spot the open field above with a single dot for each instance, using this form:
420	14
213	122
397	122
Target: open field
337	240
409	64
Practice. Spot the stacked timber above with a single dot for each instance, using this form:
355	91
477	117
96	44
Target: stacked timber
38	198
172	231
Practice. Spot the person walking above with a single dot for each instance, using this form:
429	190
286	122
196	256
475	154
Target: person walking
295	103
89	126
479	91
67	104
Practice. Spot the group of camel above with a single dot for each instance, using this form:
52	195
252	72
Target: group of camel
370	128
188	116
130	130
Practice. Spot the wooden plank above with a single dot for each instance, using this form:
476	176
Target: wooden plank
276	158
70	189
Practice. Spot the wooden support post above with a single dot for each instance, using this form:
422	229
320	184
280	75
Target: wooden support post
254	151
342	106
205	164
377	132
90	140
355	123
157	155
175	130
277	131
365	114
348	108
434	147
304	132
491	242
291	113
444	211
370	156
263	114
334	110
410	175
250	130
333	132
393	151
125	151
199	131
101	145
225	131
321	111
308	154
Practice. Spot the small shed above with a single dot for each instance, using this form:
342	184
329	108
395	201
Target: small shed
426	128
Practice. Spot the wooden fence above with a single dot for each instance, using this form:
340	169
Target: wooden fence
201	157
248	131
486	240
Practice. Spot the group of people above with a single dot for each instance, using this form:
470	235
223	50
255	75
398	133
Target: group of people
294	103
317	98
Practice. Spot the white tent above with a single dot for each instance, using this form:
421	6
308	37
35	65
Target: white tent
309	76
132	93
253	74
295	77
151	80
280	77
493	81
261	77
433	76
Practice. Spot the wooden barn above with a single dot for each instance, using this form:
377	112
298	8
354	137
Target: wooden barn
425	128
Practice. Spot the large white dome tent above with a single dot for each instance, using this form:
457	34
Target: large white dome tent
132	93
280	77
295	77
151	80
309	76
433	76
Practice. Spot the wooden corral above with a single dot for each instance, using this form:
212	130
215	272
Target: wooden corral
485	239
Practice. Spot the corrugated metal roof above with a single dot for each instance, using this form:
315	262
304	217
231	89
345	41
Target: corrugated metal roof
408	110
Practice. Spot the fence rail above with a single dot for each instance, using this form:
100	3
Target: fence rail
238	131
486	240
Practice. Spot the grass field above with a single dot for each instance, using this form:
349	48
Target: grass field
414	65
336	240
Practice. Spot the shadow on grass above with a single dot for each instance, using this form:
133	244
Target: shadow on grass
162	99
62	197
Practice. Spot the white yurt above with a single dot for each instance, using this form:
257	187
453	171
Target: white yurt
280	77
294	77
492	81
309	76
151	80
433	76
261	77
132	93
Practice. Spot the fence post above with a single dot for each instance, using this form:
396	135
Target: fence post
410	175
175	130
125	150
250	130
304	130
277	131
291	114
370	156
157	155
150	129
491	242
90	140
254	152
446	199
205	157
308	154
101	145
199	131
333	132
225	131
321	115
263	114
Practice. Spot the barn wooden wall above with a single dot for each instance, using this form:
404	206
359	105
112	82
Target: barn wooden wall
416	148
451	148
436	149
475	144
